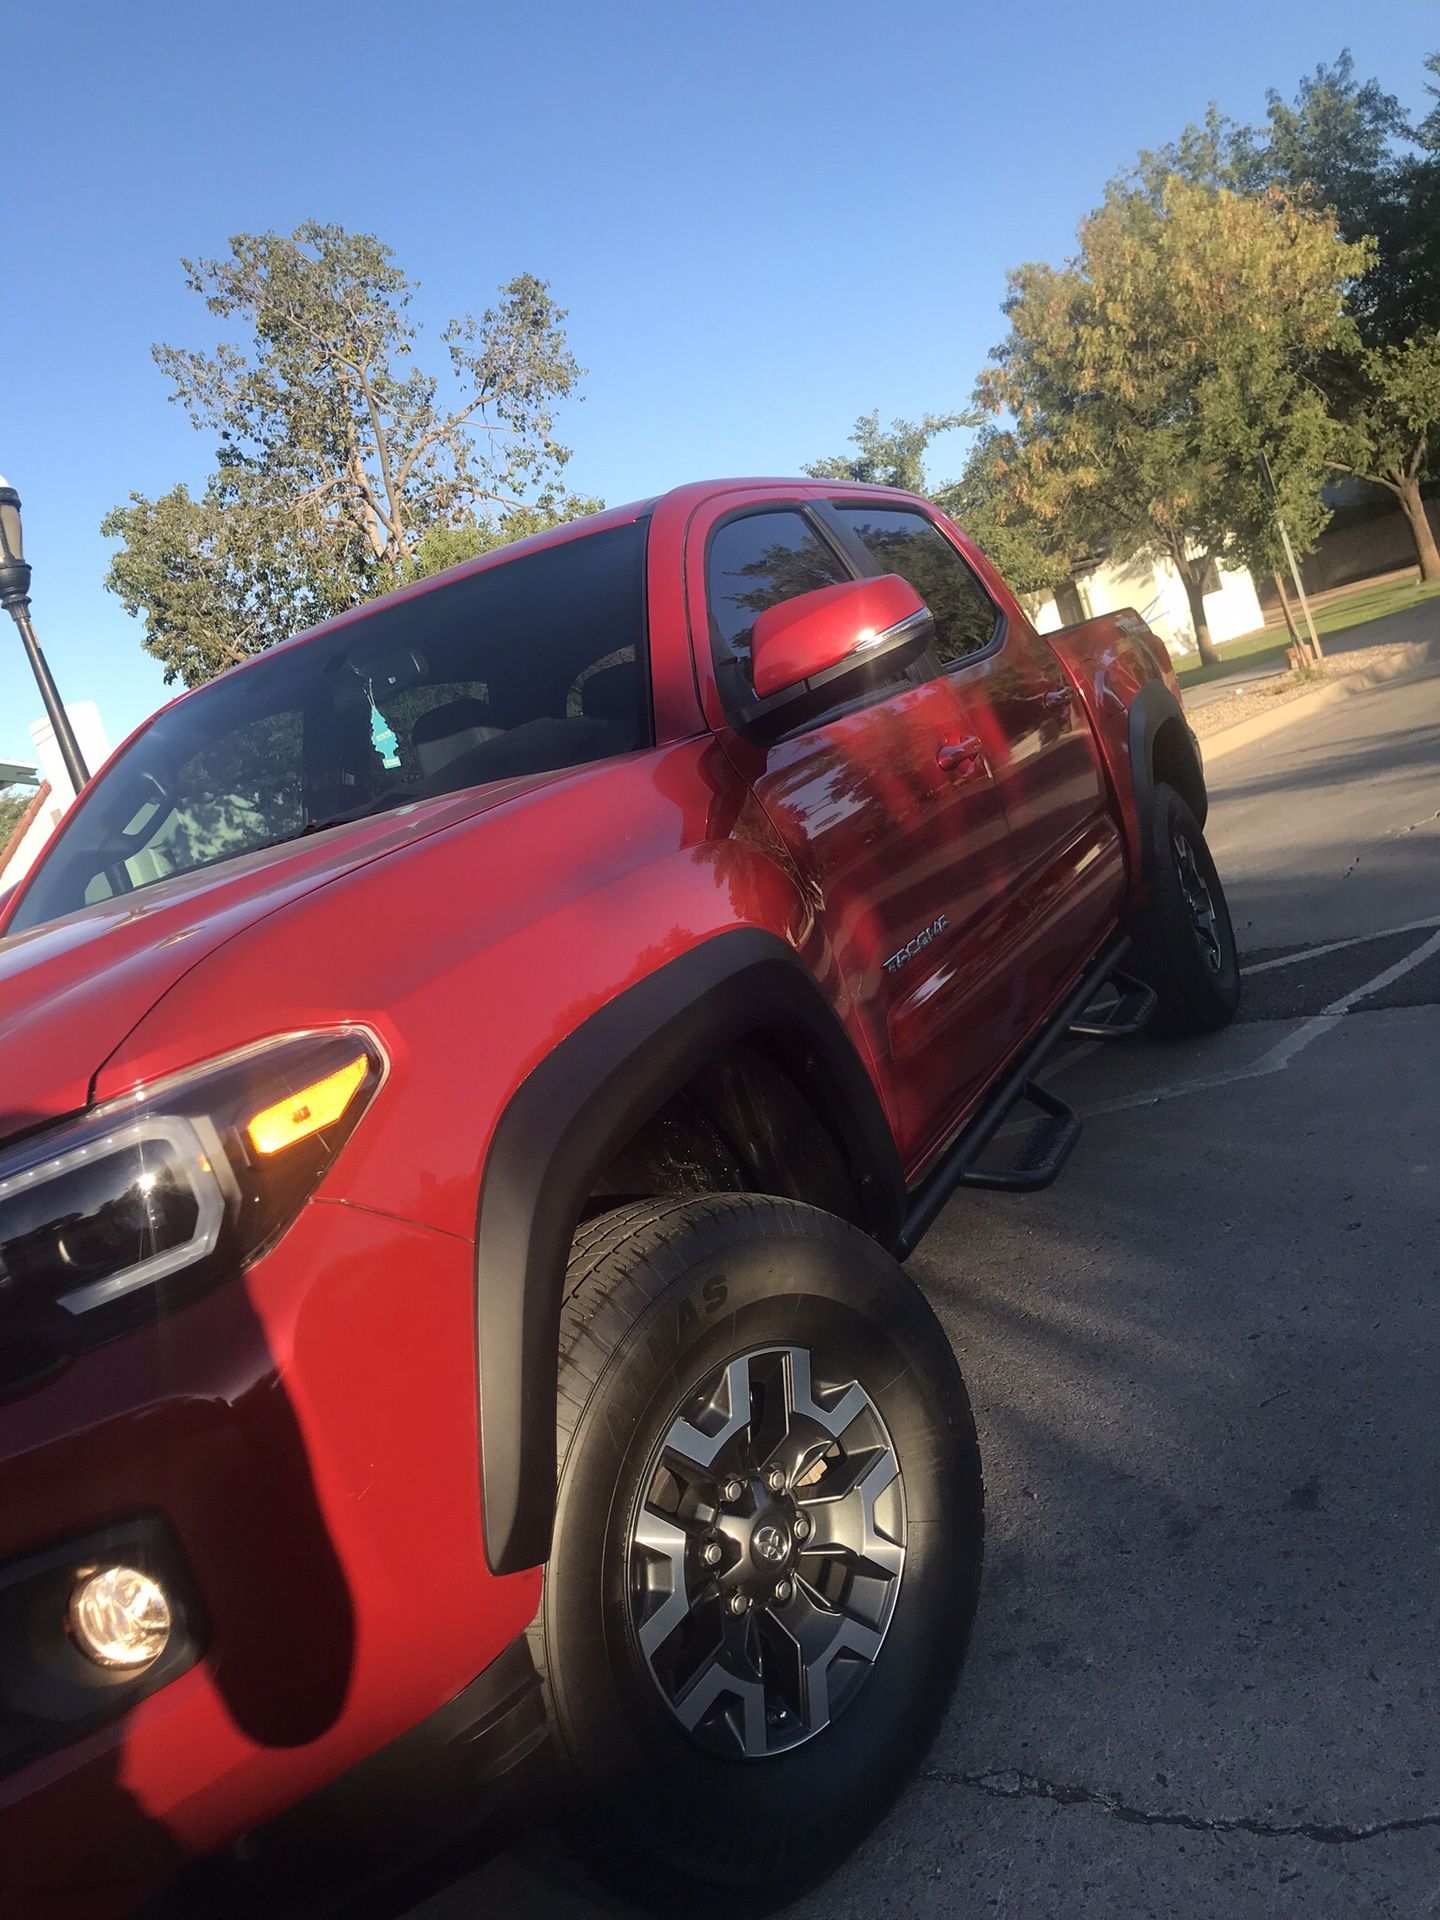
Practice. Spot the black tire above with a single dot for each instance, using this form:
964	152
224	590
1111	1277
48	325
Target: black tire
661	1296
1184	941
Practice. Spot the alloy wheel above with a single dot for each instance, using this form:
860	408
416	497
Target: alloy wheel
1199	903
766	1552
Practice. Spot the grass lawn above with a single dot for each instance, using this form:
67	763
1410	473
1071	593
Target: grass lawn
1268	648
1255	650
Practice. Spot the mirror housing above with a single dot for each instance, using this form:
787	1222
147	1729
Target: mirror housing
816	638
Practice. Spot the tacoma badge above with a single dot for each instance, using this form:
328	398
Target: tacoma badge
912	947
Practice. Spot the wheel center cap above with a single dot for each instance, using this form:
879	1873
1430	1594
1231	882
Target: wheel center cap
770	1543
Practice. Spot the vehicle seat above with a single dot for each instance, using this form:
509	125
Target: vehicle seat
444	733
613	695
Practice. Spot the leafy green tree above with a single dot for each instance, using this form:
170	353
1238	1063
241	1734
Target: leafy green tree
1342	144
1392	433
448	546
996	503
1347	145
341	466
892	456
13	802
1350	146
217	581
1145	376
1220	152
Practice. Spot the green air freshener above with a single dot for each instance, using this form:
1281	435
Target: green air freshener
382	738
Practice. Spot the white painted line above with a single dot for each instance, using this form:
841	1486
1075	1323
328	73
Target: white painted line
1275	1059
1391	974
1338	946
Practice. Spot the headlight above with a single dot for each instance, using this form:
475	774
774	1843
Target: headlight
150	1196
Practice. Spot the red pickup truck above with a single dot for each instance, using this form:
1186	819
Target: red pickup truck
468	1079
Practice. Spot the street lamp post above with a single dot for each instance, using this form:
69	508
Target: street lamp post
15	598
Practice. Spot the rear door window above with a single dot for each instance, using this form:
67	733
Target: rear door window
904	541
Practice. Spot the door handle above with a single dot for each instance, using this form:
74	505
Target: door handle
961	756
1058	699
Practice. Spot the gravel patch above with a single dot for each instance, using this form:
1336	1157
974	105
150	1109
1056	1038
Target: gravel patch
1265	695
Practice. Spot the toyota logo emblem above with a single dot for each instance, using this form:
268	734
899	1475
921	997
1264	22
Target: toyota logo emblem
770	1543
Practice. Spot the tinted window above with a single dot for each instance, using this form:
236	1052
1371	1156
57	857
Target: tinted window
241	791
905	542
533	664
755	563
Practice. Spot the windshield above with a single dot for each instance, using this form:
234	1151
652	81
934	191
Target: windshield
531	665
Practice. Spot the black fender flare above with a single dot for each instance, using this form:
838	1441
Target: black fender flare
562	1126
1153	709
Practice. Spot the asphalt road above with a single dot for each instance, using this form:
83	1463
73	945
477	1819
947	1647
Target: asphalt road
1206	1674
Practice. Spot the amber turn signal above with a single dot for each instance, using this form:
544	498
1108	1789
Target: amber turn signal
300	1114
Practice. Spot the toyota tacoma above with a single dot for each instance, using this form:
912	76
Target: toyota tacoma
469	1078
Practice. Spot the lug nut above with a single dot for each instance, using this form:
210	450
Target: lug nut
775	1480
739	1603
783	1590
711	1554
802	1526
732	1490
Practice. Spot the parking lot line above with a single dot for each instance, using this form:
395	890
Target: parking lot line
1339	946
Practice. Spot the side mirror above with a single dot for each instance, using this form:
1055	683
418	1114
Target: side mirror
817	637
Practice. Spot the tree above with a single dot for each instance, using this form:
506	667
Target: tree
893	457
1341	144
1346	146
1393	432
1145	376
13	803
217	581
996	502
1220	153
1350	146
342	468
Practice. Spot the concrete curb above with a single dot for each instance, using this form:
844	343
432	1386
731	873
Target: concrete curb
1403	659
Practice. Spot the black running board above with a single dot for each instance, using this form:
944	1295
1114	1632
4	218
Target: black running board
1123	1017
1040	1154
1047	1144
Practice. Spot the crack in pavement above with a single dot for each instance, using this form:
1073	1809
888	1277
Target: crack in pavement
1394	833
1010	1783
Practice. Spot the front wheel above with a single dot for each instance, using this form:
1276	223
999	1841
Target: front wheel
1184	941
767	1546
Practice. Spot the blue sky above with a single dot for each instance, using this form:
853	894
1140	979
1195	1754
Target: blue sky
764	219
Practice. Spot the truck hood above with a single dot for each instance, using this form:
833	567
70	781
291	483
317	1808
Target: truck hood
72	989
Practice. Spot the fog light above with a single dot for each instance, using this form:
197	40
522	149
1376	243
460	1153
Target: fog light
120	1617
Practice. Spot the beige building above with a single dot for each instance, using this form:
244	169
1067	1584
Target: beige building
1156	591
55	793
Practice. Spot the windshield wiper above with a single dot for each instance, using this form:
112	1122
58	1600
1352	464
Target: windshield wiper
310	826
384	803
